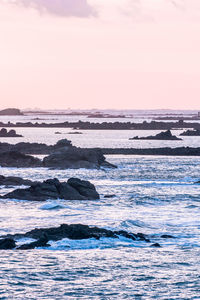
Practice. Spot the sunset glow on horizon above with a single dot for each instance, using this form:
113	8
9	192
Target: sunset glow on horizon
121	54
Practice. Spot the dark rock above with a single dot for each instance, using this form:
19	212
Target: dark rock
12	180
75	132
109	196
156	245
18	160
58	132
167	236
167	135
75	158
7	243
11	112
191	133
74	189
73	232
41	242
12	133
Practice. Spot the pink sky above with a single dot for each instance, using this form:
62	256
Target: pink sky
100	54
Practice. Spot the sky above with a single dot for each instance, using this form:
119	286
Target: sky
106	54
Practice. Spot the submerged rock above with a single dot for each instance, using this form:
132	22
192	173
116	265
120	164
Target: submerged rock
166	135
11	133
16	159
73	189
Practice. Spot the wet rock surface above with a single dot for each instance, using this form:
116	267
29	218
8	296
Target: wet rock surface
73	189
72	231
166	135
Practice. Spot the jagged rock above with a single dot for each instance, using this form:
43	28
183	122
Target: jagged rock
73	232
75	158
16	159
166	135
73	189
191	133
11	133
7	243
12	180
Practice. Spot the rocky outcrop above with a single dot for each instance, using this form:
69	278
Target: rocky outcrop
73	189
166	135
35	148
14	181
73	232
75	158
191	133
11	112
11	133
166	151
16	159
80	125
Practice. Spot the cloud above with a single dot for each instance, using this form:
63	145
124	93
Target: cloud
65	8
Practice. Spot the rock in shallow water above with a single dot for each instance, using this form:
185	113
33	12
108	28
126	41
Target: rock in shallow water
73	189
72	232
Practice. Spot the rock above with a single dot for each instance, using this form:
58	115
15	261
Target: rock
191	133
74	189
167	135
156	245
75	158
41	242
11	112
16	159
73	232
109	196
12	180
75	132
11	133
7	243
58	132
167	236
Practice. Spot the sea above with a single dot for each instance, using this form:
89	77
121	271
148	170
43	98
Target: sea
154	195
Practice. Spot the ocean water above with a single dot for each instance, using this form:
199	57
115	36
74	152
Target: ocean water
153	195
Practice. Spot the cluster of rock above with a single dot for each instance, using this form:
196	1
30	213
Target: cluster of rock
191	133
11	133
165	151
72	231
166	135
80	125
63	156
73	189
